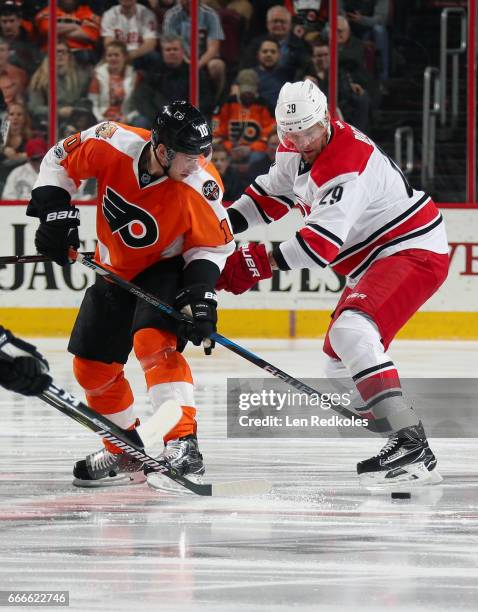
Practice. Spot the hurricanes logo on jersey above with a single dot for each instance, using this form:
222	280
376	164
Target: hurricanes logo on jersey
136	227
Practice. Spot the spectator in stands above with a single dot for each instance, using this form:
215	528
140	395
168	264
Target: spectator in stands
159	7
353	99
112	85
23	51
21	179
77	26
307	15
368	21
81	118
262	166
168	80
351	49
293	50
234	183
241	7
72	84
177	21
19	132
352	59
271	75
13	80
244	121
136	26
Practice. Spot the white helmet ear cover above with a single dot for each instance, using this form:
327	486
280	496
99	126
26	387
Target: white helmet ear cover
299	106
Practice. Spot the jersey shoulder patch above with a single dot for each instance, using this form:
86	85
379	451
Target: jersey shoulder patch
124	138
346	155
207	183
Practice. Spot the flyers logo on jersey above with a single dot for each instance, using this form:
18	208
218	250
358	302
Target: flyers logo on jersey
211	190
136	227
105	130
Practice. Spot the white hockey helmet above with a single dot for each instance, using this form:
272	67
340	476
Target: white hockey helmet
300	106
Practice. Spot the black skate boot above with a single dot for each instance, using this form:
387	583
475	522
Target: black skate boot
406	459
103	468
182	456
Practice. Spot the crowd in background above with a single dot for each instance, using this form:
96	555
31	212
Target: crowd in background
122	60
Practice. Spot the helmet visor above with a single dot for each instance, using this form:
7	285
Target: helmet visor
186	164
302	139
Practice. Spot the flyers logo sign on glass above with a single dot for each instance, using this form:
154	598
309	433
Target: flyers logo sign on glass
136	227
105	130
211	190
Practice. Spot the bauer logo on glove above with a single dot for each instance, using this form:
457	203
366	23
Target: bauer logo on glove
245	268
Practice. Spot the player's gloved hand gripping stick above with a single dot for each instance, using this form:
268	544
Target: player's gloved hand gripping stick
215	337
84	259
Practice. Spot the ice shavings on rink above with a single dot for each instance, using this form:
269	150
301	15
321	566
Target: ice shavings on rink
316	542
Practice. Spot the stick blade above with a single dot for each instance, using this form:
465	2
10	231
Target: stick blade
158	425
241	488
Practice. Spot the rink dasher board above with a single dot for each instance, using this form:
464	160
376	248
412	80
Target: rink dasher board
40	286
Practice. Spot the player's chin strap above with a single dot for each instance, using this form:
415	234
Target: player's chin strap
170	155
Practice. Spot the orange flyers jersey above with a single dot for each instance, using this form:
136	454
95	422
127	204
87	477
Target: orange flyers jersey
140	225
237	125
82	16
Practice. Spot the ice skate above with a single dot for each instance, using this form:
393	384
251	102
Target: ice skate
103	468
182	456
405	460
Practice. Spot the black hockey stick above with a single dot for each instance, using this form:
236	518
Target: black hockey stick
373	426
24	259
75	409
229	344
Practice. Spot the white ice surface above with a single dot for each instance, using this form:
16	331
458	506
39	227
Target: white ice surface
317	542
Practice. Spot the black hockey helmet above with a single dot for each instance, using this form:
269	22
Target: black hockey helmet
182	128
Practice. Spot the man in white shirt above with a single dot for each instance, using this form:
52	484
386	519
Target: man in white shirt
136	26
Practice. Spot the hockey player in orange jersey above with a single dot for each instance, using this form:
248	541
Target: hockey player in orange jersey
160	222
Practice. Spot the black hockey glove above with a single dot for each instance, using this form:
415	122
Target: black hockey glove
22	368
58	231
202	302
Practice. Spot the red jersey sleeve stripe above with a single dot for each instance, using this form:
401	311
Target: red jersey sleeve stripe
318	259
322	231
272	208
322	246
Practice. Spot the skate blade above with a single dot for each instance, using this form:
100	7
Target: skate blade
115	481
417	475
158	482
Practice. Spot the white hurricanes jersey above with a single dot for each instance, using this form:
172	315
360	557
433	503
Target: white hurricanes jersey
357	204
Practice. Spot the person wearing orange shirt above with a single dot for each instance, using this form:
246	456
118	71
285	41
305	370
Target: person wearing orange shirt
160	223
77	25
244	120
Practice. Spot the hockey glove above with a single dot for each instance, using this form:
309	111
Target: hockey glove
58	231
22	368
202	303
245	268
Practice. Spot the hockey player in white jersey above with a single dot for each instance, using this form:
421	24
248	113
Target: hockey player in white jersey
364	220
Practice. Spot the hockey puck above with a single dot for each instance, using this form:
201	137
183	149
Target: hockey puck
401	495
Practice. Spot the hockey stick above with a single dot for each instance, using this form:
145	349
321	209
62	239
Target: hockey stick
229	344
24	259
83	258
72	407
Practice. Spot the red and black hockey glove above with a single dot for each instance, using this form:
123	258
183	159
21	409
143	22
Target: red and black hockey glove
245	268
